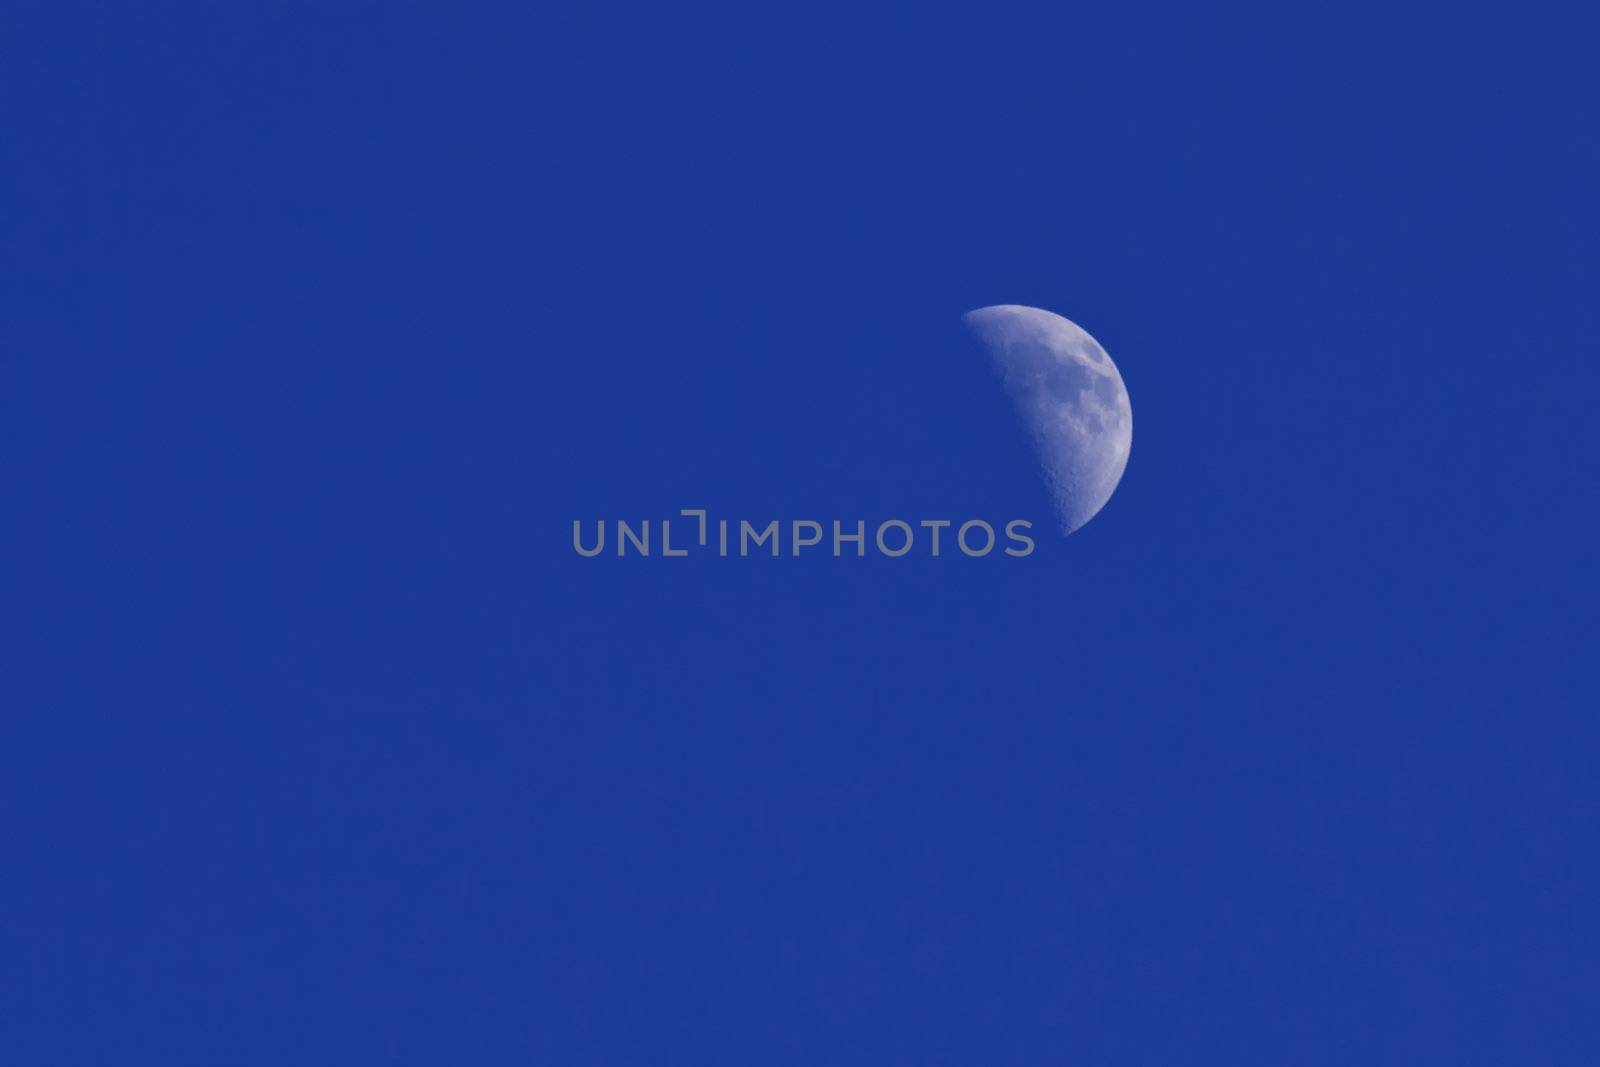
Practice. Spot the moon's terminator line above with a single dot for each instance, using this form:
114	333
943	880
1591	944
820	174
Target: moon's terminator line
1070	395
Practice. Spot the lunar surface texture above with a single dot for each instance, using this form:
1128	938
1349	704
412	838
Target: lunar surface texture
1071	398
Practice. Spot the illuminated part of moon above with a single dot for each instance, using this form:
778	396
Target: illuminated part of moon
1071	397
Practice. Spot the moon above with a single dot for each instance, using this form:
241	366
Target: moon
1070	395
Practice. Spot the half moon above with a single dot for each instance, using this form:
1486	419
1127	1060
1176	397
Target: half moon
1070	395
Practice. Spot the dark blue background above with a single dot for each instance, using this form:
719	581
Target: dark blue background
322	321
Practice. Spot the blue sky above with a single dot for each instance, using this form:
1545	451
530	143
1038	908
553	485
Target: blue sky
324	322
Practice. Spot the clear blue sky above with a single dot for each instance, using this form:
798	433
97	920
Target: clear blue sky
322	321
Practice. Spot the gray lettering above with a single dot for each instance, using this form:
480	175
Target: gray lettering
935	525
599	544
859	537
666	540
700	512
1021	538
770	532
625	531
903	548
961	537
795	534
